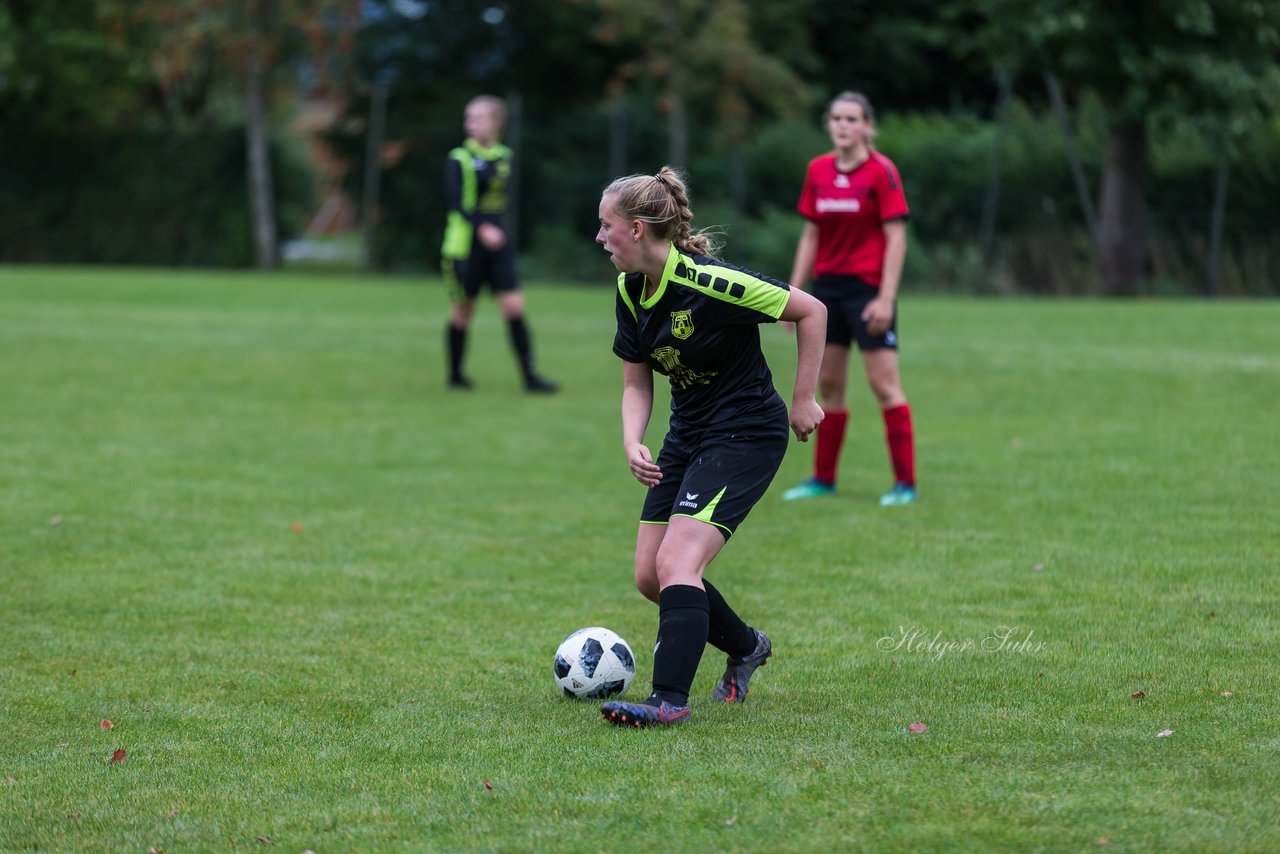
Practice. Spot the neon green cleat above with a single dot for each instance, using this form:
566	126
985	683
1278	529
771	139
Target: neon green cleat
811	488
900	494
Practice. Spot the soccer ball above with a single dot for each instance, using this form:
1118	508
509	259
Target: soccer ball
594	663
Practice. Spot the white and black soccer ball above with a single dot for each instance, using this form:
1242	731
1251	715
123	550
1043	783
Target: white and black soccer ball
594	663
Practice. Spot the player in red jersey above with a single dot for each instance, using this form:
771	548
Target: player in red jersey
853	244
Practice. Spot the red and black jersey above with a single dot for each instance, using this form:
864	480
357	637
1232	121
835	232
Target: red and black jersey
850	209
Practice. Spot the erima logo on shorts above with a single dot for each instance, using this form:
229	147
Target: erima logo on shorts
689	499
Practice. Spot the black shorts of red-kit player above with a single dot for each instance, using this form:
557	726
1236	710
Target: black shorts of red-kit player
726	631
682	636
846	297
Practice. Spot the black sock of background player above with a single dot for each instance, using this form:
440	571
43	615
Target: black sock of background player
726	631
457	347
682	636
520	342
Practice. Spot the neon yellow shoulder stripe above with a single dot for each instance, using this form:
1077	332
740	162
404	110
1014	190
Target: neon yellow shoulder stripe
732	285
622	289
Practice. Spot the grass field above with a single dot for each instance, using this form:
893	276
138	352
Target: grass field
318	596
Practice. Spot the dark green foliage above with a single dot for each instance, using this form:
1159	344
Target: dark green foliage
1042	246
136	198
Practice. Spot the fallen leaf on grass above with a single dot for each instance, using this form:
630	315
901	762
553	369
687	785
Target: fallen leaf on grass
1138	695
9	778
106	724
917	727
173	813
74	816
1226	693
154	850
487	786
265	840
731	821
118	756
1164	733
56	520
1102	840
296	526
1038	568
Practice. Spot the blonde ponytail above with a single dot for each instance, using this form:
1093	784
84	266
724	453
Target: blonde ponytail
662	201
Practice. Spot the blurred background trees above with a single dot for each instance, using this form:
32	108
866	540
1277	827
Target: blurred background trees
1056	147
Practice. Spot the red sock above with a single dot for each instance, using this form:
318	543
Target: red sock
830	439
902	445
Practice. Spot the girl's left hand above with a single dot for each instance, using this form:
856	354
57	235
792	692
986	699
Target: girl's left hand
806	415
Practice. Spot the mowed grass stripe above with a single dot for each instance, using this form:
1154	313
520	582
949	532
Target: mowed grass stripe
1095	476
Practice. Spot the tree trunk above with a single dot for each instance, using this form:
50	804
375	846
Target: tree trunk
738	177
618	136
515	141
991	199
1122	217
373	172
677	122
1216	220
261	194
1073	158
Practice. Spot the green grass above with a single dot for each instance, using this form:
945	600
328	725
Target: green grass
1100	475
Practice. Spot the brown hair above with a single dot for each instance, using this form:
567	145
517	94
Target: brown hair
867	112
662	201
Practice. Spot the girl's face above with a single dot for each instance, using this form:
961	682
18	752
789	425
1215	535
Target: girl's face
847	125
481	124
617	236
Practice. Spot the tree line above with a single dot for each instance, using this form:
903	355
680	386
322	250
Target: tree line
1135	118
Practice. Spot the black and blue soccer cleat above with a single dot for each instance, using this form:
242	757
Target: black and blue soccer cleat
637	715
732	687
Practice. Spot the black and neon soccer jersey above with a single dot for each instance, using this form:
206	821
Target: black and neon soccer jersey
701	330
475	185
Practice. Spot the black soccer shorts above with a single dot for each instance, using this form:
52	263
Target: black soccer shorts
466	278
845	298
717	480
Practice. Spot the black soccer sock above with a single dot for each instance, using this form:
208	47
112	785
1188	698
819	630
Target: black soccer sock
457	337
522	343
726	631
682	635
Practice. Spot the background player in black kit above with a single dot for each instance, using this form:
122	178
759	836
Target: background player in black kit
685	314
477	249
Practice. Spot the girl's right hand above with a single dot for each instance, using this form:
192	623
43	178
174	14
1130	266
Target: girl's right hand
642	466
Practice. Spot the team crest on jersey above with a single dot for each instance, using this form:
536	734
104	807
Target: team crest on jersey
682	323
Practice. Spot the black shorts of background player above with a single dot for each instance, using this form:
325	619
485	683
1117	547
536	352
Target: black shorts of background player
695	319
477	249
